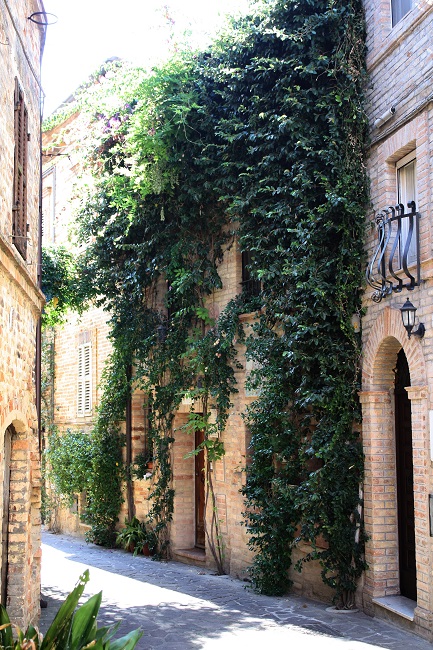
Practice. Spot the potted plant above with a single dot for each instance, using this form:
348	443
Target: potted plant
143	465
136	537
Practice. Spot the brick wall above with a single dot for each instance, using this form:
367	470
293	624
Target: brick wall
400	61
20	306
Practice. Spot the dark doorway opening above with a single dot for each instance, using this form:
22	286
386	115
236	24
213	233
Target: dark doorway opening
199	492
404	467
5	520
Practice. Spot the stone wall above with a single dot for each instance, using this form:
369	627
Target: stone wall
20	305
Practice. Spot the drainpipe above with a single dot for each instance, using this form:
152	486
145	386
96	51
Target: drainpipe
128	436
38	372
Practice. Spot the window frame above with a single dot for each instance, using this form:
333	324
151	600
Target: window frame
397	10
49	206
399	166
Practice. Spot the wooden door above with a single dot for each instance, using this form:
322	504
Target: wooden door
5	519
199	492
404	466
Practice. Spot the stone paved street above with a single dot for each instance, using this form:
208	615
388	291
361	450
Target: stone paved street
181	607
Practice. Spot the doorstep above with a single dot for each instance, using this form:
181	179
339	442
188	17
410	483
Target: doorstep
196	556
399	605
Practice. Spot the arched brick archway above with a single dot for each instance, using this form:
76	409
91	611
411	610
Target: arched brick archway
385	340
21	539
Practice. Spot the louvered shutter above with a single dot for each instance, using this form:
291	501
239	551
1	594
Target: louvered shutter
84	398
87	396
19	207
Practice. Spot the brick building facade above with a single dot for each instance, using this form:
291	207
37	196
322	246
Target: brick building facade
397	370
21	302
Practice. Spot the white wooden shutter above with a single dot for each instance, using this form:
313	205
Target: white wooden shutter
84	399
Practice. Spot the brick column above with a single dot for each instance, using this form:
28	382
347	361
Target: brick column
418	396
380	499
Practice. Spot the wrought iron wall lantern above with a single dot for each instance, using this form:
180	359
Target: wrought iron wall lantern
408	312
397	249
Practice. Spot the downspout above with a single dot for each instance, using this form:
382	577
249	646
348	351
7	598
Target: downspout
38	370
128	436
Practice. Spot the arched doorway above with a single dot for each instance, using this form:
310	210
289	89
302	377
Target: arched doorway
404	475
5	517
199	492
395	380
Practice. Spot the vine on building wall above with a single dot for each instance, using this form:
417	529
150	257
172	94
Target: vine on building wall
155	234
263	138
59	285
298	151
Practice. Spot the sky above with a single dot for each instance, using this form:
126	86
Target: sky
88	32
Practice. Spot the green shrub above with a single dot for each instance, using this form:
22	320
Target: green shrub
136	536
69	457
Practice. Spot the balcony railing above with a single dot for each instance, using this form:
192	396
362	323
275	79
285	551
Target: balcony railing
397	249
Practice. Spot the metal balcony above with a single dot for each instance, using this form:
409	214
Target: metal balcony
397	249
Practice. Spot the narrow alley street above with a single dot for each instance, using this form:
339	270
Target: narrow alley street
183	607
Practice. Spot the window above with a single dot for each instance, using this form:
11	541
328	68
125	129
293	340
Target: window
399	9
250	286
49	206
19	205
84	401
406	184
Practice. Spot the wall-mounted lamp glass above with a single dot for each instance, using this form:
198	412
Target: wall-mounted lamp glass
408	312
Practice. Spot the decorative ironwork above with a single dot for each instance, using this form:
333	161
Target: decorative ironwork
397	249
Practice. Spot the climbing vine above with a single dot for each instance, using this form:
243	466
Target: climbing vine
59	284
298	152
260	139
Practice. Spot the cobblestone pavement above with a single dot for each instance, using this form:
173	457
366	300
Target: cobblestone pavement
181	607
